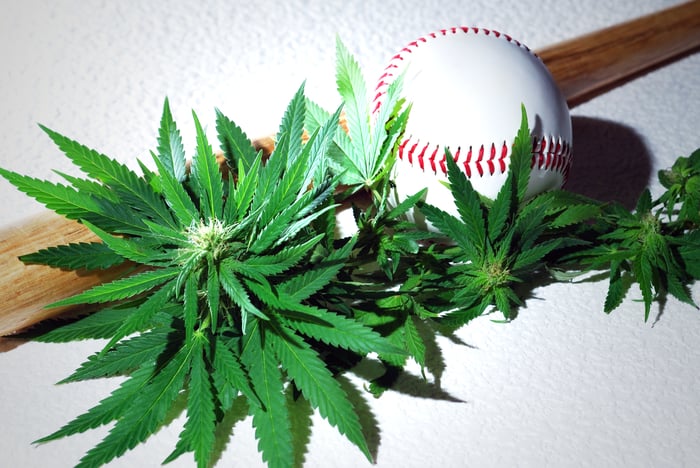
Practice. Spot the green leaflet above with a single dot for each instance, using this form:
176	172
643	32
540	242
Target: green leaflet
318	147
452	228
240	195
213	294
129	187
145	253
310	375
235	143
271	419
642	270
350	166
292	126
468	206
198	433
206	176
77	205
315	116
238	294
576	214
121	288
98	189
302	286
77	256
171	153
620	283
535	255
520	158
99	325
191	307
141	317
108	409
229	376
414	342
266	265
269	176
145	412
177	197
336	330
125	357
353	91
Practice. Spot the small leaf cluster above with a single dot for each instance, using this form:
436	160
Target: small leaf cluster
499	243
363	151
656	247
241	300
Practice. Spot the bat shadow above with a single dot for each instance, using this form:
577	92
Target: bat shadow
611	162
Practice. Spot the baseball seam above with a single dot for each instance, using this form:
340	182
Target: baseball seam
394	63
548	153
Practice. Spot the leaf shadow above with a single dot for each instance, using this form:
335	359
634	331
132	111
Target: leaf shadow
611	163
434	359
300	413
368	421
223	433
405	382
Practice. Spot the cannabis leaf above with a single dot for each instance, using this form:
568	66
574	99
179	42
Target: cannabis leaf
171	153
650	247
682	183
365	150
498	244
222	296
82	255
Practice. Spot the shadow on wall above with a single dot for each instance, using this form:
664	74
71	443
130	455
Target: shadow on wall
611	162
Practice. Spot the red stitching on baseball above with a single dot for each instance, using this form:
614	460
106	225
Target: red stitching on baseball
492	156
467	163
477	163
410	153
381	88
502	158
432	158
468	170
401	147
443	163
421	156
547	153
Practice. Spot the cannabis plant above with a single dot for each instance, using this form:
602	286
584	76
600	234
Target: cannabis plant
240	298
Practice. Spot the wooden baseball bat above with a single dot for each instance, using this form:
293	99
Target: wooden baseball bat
583	68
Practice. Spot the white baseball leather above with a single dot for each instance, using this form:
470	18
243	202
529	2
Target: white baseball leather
466	86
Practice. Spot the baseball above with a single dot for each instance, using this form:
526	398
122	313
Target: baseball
466	87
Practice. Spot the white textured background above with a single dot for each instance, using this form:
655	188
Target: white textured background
563	385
